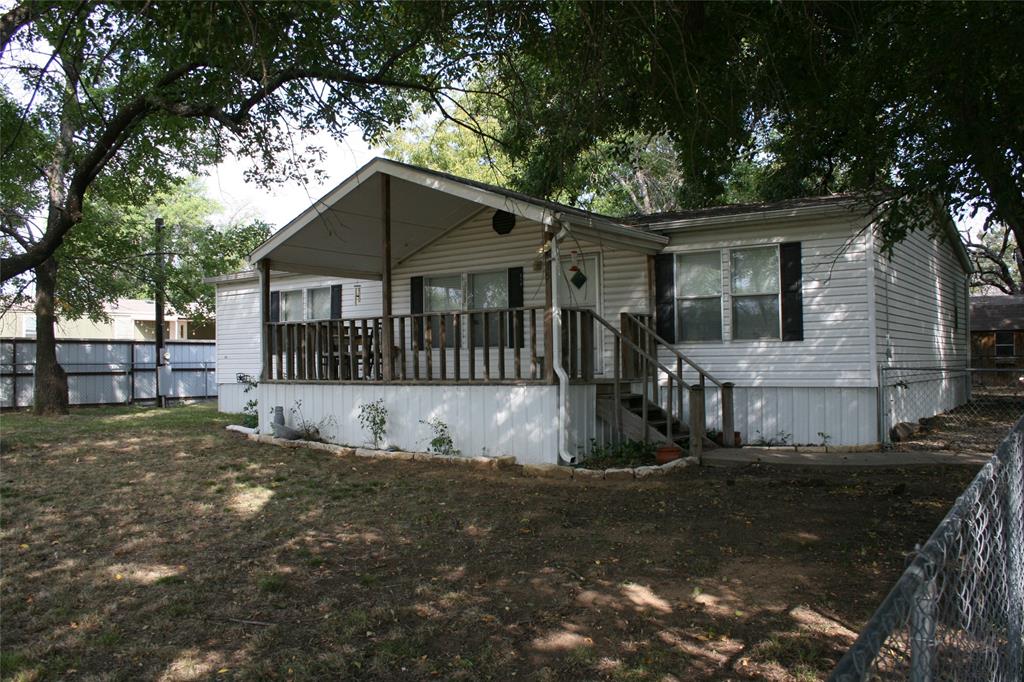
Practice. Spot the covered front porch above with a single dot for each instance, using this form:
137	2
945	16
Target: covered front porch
497	318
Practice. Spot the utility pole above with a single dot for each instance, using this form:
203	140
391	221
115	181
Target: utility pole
159	296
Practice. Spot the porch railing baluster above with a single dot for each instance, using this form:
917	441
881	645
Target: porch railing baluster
487	345
457	356
428	343
471	347
443	341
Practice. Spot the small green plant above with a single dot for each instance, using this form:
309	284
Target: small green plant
825	438
374	418
250	411
311	430
780	438
628	453
441	442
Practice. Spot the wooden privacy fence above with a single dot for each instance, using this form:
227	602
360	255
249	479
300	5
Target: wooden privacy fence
109	371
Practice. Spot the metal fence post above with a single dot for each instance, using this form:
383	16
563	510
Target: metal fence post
1014	511
922	631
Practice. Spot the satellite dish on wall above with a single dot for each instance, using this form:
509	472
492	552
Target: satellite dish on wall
503	222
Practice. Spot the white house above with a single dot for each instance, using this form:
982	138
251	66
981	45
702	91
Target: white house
774	318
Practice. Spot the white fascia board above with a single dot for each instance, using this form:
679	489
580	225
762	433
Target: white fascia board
304	269
632	240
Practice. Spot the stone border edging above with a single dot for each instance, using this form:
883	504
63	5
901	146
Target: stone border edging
507	463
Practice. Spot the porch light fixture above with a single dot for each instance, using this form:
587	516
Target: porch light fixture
503	222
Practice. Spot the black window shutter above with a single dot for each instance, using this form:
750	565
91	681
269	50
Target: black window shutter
515	300
416	307
792	292
275	306
665	296
335	301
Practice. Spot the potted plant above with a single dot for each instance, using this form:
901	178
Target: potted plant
667	453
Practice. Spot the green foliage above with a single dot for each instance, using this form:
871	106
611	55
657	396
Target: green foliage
136	95
250	411
628	453
373	417
441	440
112	253
908	100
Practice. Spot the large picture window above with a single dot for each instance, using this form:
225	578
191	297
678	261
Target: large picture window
755	293
699	296
471	291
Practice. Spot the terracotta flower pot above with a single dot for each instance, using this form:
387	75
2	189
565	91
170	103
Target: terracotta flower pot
667	453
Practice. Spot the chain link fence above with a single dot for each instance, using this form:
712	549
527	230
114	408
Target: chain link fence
954	408
956	613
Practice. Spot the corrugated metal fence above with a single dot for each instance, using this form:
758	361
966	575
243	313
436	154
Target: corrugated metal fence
109	371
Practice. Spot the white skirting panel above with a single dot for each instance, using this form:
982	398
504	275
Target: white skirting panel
231	398
849	416
521	421
582	423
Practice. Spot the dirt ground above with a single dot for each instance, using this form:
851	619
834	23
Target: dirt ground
145	544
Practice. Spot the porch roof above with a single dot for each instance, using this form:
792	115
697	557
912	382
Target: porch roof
340	234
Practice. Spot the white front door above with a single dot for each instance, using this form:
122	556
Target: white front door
580	287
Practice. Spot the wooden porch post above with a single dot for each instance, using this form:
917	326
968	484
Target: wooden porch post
387	341
263	268
549	348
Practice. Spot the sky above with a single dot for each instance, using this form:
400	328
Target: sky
242	200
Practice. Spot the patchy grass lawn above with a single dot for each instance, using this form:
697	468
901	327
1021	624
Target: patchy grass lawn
146	544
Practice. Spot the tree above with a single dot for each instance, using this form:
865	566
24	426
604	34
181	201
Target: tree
997	260
906	101
634	174
111	254
118	99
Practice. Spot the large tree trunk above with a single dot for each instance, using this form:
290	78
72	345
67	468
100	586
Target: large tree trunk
51	385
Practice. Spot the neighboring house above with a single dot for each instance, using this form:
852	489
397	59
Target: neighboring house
783	311
997	332
130	319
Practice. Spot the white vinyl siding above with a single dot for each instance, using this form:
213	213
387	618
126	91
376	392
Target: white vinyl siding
920	294
837	335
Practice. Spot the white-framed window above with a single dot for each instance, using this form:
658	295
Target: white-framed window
30	325
1004	345
461	292
318	303
699	296
756	293
291	305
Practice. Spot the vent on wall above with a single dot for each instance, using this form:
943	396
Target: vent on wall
503	222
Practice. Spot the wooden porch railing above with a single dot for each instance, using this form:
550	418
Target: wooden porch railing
641	329
498	345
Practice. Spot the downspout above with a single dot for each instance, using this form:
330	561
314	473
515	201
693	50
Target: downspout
564	456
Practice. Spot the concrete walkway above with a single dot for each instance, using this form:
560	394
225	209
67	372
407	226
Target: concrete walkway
739	456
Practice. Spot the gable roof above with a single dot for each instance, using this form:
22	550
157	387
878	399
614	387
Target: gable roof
339	234
997	313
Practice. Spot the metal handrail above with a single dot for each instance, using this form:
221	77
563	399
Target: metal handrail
672	350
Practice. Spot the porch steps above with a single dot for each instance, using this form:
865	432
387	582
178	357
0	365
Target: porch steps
632	417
